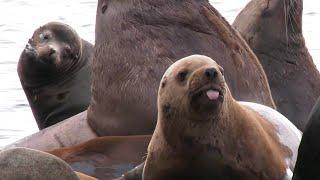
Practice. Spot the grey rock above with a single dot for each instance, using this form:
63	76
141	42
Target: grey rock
28	164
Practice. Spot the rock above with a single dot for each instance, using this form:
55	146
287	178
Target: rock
23	163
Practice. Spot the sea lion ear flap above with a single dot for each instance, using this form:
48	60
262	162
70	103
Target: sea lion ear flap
164	82
103	4
221	70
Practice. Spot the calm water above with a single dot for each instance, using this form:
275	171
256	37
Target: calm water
19	18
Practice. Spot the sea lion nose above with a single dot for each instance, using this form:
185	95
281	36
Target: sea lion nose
51	51
211	73
46	54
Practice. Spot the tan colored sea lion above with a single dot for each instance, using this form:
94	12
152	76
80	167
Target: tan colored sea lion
54	70
137	42
273	29
202	132
105	157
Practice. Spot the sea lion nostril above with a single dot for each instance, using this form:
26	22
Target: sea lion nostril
51	51
211	73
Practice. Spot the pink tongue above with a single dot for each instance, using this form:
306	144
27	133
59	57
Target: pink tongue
212	94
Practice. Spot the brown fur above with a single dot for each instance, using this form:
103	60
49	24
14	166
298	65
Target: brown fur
273	29
227	142
105	157
136	41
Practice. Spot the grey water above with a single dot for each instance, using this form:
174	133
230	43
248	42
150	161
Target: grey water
19	18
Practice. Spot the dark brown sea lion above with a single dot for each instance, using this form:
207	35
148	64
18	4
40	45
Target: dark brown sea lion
273	29
54	71
203	133
137	41
308	160
106	157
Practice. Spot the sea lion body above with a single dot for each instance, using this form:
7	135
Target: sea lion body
69	132
307	166
137	42
273	29
54	70
203	133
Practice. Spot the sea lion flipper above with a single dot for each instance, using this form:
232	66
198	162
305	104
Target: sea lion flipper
134	174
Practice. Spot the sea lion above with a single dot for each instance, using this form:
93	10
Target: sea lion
54	70
69	132
135	44
105	157
273	29
307	166
202	132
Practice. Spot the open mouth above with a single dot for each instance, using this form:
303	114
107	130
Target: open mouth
207	98
211	93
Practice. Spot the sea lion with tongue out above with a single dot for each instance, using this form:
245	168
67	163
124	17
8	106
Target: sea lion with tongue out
54	70
203	133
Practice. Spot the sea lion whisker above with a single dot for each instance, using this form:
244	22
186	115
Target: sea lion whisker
285	10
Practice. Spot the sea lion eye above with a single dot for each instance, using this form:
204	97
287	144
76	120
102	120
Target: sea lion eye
104	7
45	36
182	75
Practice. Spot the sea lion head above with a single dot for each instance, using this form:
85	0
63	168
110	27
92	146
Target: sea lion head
193	87
54	48
53	45
281	21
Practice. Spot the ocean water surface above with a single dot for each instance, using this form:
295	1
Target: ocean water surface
19	18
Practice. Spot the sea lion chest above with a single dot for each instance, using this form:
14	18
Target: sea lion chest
235	157
203	165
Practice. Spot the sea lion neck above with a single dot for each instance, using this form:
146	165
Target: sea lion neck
194	131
